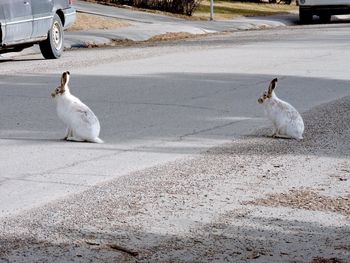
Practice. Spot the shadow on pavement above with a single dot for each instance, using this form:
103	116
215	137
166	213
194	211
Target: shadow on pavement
238	238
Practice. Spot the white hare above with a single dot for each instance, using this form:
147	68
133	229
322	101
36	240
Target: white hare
82	123
285	118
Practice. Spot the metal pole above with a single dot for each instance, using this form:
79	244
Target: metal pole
211	10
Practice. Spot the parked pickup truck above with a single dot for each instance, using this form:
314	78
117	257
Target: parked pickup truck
322	8
24	23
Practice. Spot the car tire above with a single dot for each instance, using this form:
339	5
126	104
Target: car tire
52	47
305	17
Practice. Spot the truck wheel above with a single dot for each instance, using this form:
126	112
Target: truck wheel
305	17
52	47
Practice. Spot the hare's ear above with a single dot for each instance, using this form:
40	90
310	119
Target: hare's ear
65	78
271	87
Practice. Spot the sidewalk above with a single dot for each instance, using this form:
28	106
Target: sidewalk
144	26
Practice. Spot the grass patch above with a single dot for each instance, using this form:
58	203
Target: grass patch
231	9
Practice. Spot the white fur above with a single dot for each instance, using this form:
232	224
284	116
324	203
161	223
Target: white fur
285	118
82	123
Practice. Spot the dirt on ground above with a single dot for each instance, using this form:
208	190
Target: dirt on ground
90	22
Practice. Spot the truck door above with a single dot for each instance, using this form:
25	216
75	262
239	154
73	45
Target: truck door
42	17
19	20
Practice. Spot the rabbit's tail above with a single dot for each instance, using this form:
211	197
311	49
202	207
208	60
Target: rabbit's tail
97	140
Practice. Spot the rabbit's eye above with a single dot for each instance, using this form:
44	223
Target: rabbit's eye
57	90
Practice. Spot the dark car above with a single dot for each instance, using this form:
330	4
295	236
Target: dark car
24	23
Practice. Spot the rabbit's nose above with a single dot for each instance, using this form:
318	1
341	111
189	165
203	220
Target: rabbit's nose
260	100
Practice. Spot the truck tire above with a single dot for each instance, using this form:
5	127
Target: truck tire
305	16
52	47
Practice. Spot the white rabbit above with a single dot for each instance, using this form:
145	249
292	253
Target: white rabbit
82	123
285	118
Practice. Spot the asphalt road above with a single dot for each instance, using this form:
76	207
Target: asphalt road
156	103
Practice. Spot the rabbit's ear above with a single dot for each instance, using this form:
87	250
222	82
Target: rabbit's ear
65	78
271	87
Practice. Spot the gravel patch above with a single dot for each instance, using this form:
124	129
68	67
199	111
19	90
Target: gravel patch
308	200
256	199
